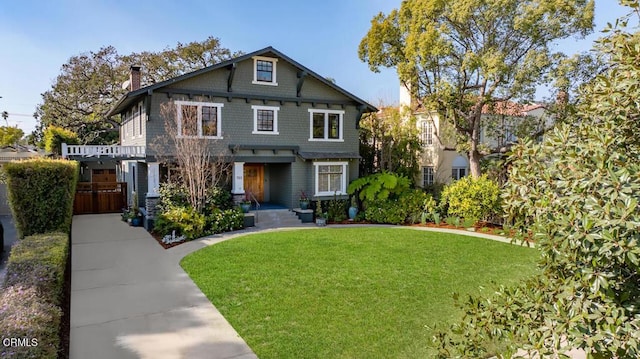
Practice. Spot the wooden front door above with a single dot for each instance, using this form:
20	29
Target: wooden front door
254	180
103	175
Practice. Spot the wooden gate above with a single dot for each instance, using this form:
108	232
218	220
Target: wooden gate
100	197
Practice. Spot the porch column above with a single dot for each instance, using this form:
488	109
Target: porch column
238	178
153	179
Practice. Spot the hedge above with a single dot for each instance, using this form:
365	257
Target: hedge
55	136
41	193
39	262
24	314
33	291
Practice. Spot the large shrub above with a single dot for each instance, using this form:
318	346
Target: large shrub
577	194
379	186
55	136
408	208
41	193
24	314
186	221
472	198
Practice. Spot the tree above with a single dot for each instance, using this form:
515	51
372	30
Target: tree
55	136
459	57
575	194
200	168
10	135
389	142
91	83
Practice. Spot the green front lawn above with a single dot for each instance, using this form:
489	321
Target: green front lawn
349	292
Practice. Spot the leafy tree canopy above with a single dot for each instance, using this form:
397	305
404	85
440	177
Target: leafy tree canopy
90	83
575	194
459	56
10	135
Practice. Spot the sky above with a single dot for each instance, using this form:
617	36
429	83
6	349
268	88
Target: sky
39	36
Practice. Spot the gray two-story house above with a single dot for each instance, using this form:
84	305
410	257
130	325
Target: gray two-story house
282	127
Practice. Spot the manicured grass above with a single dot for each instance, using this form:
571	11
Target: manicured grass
349	292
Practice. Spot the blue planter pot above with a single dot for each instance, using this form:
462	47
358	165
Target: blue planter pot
136	222
245	207
304	204
353	211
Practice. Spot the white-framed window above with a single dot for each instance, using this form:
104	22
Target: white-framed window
264	70
326	125
199	119
427	176
426	133
458	172
330	178
140	116
265	120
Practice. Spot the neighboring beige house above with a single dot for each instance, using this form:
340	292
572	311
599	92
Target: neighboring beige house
440	162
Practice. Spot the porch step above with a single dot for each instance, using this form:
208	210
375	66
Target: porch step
276	218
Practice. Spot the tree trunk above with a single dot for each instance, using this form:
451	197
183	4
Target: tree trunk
474	164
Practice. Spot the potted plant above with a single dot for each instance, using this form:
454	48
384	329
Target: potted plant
134	212
321	218
245	204
353	210
304	200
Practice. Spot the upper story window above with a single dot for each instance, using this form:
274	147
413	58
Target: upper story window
264	71
426	133
265	120
199	119
326	125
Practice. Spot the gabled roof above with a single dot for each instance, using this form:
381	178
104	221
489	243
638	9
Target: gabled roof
134	96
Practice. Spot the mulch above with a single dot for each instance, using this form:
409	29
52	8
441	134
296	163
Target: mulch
158	238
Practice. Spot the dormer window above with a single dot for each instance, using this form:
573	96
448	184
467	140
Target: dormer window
264	71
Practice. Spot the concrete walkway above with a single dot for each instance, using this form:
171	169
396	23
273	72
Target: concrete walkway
131	299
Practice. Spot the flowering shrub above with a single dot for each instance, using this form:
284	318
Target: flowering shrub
224	221
25	314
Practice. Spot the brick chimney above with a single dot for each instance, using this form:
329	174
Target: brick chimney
134	78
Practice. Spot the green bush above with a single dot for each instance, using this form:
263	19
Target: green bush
379	186
32	295
219	221
25	314
218	197
172	195
41	193
55	136
184	220
39	262
408	208
472	198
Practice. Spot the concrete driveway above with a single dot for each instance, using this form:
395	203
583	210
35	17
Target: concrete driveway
131	299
